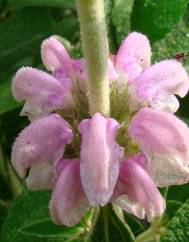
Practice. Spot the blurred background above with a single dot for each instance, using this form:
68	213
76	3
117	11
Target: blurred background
23	26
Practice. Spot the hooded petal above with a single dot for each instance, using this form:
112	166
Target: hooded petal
43	140
141	195
69	203
43	92
55	56
134	55
165	140
157	84
100	156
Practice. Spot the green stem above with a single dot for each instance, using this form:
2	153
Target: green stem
153	233
95	46
147	236
104	211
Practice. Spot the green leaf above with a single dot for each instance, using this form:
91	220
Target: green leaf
47	229
134	223
173	43
28	220
156	18
3	212
22	34
68	28
171	208
164	191
42	3
178	228
110	227
120	15
7	102
179	193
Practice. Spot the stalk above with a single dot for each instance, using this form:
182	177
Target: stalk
95	46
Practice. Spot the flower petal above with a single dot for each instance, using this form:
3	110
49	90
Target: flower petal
130	207
80	69
142	196
166	102
69	203
113	75
165	140
168	170
43	92
55	56
60	165
134	54
100	156
43	140
157	84
40	176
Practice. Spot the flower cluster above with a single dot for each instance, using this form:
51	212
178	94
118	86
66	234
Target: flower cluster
91	161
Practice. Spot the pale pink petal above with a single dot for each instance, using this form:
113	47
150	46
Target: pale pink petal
141	195
130	206
55	56
43	140
133	55
159	83
113	75
69	203
43	92
168	170
165	140
33	110
40	176
100	156
166	102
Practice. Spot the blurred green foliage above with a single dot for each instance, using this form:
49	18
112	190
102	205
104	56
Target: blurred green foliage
29	220
23	26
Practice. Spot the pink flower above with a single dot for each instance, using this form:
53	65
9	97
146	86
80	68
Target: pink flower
140	195
77	185
69	202
101	172
38	146
100	157
163	160
57	60
154	86
158	84
164	139
43	93
133	55
55	56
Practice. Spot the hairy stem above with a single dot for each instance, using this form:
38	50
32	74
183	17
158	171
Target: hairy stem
95	46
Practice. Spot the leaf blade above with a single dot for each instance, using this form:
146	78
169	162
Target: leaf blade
29	220
7	102
157	17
